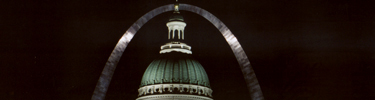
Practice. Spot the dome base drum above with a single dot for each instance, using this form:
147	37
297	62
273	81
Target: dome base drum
175	89
173	97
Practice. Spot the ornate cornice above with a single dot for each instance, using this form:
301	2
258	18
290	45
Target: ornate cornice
175	46
173	97
169	88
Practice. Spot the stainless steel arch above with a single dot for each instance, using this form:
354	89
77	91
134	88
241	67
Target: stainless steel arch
110	66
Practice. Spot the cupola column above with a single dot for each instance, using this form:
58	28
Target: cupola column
176	26
176	23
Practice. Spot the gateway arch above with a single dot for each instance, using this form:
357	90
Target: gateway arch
110	66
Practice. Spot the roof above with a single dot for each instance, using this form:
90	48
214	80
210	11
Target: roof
175	67
176	17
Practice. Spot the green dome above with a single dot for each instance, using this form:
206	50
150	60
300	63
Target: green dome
177	68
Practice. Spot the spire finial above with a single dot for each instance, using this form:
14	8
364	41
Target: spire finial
176	7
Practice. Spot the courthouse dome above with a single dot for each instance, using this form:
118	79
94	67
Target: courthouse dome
175	68
175	75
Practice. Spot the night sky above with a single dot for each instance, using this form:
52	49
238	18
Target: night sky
299	49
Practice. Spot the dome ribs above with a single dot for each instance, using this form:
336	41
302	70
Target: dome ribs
198	72
180	69
147	73
175	68
185	74
192	73
203	75
160	71
152	74
176	72
168	71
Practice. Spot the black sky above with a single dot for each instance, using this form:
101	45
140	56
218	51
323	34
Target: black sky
299	49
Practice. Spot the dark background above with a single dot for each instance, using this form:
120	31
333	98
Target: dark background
299	49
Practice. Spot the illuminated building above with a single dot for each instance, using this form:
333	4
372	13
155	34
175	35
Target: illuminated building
175	75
